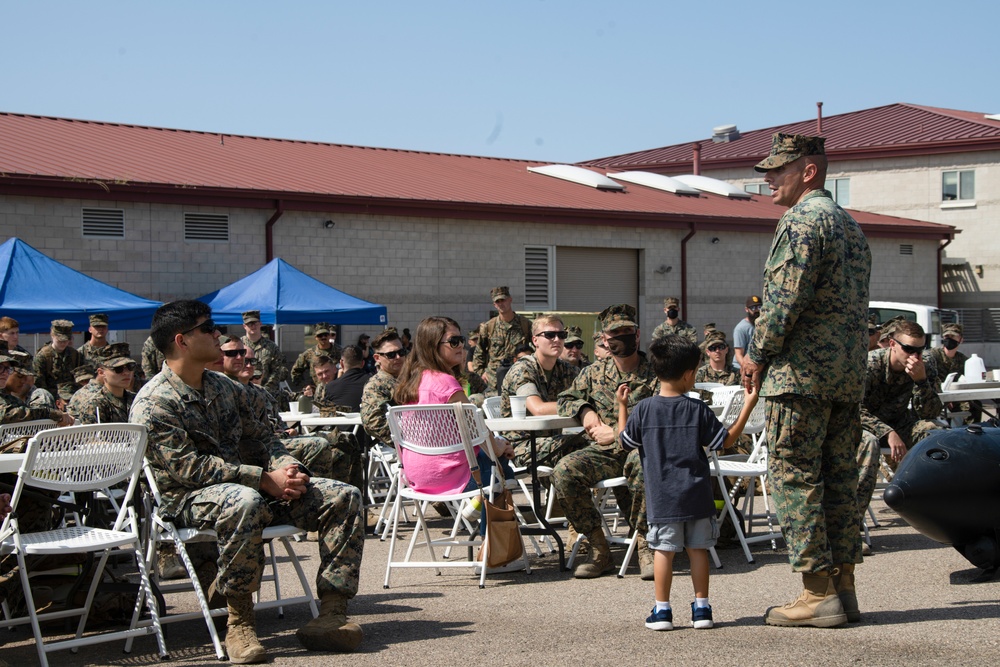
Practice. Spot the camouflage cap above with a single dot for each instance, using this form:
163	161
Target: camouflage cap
953	329
226	339
83	372
617	316
321	328
889	327
753	301
502	292
715	336
98	320
62	329
251	316
787	148
116	354
5	356
671	301
575	334
597	336
709	327
473	334
20	362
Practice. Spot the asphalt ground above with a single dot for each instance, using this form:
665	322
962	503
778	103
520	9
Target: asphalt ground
922	604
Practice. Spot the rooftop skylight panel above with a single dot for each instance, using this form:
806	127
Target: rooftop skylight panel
713	185
656	181
573	174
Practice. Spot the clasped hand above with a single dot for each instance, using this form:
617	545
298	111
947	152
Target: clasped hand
288	483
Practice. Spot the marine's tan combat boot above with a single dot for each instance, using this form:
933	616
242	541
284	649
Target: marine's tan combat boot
330	631
600	557
242	644
844	583
645	558
583	551
819	605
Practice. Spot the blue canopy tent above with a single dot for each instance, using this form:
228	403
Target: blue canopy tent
285	295
36	289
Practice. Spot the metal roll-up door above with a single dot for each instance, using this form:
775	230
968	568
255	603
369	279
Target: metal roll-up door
591	279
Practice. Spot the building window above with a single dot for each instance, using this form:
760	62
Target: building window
956	185
840	188
206	227
538	277
103	223
757	188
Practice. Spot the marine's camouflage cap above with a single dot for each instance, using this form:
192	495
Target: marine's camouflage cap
889	327
708	327
873	325
226	339
5	355
787	148
62	329
98	319
671	301
21	362
116	354
617	316
715	336
954	329
502	292
83	372
251	316
575	335
321	328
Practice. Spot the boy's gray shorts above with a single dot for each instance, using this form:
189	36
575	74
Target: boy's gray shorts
697	534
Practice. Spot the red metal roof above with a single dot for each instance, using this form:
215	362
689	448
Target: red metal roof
63	157
895	129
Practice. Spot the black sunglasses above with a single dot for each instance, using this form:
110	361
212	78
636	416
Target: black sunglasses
454	342
121	369
717	347
208	326
552	335
249	362
393	354
235	353
909	349
576	345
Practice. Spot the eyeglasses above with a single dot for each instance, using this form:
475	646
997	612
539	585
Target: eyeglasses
717	347
454	342
121	369
552	335
755	309
208	326
576	345
235	353
393	354
322	335
249	362
909	349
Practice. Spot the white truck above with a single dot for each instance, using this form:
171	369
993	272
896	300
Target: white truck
930	318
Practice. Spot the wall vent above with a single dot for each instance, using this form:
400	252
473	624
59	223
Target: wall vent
206	227
103	223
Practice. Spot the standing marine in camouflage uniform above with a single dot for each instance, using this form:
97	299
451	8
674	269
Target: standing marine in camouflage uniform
201	424
540	378
499	337
807	356
591	399
110	399
270	361
97	346
389	355
151	358
326	336
674	324
55	362
946	360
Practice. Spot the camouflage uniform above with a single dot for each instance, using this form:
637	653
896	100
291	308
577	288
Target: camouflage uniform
151	358
378	394
93	355
578	471
528	378
944	365
682	329
40	398
54	370
197	440
727	376
270	361
811	336
13	410
304	363
86	403
497	341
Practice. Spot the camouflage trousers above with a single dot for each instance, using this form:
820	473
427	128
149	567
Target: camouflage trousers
32	515
870	455
548	450
813	479
239	515
339	452
575	474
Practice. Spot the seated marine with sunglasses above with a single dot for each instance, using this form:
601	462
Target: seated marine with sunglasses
900	400
111	397
389	356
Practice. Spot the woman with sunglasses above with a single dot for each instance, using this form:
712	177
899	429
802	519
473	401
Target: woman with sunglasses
430	375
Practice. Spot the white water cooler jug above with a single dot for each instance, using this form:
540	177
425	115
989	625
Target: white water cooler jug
975	369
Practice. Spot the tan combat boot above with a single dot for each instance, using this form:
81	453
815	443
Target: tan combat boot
600	557
242	644
844	583
645	558
330	631
818	606
583	550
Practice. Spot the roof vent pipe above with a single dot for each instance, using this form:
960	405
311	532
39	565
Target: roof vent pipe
819	118
725	133
696	158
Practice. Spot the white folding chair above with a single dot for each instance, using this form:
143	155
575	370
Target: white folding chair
435	430
162	530
17	430
79	459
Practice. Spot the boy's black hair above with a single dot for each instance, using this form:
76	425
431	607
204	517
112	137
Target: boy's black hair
172	318
672	356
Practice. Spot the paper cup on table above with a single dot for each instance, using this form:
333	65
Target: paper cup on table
293	407
518	407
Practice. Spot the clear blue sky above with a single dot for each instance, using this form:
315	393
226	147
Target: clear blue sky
558	81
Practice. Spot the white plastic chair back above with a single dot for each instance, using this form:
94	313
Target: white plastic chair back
720	395
433	429
733	407
17	430
492	407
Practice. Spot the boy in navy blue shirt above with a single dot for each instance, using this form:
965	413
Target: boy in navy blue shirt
671	432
